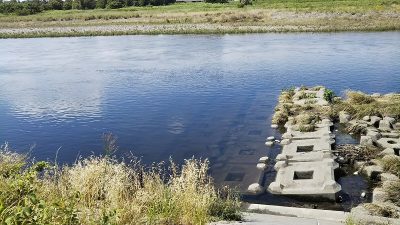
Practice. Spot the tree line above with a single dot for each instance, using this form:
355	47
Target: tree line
29	7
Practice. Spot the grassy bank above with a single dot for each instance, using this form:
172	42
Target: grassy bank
205	18
102	190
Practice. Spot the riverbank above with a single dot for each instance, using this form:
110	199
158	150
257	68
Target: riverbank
206	18
104	190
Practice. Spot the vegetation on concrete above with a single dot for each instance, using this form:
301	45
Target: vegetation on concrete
359	104
381	210
102	190
231	17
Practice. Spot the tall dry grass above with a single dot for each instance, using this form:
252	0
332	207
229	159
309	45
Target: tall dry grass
103	190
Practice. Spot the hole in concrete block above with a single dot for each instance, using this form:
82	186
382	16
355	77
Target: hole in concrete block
391	142
306	148
234	177
396	151
303	175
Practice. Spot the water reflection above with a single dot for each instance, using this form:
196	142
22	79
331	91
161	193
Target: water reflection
179	96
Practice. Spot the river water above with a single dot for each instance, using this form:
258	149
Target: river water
180	96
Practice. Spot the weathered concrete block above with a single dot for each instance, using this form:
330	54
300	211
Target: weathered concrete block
255	189
374	120
388	177
385	125
314	179
263	159
375	95
390	134
391	120
387	151
269	143
261	166
344	117
393	143
366	141
378	195
372	171
366	118
270	138
285	141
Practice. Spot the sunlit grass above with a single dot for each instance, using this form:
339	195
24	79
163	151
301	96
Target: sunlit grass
102	190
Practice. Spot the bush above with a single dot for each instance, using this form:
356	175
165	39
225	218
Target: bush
56	4
101	190
329	95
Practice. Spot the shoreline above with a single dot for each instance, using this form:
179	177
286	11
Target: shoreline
155	21
182	29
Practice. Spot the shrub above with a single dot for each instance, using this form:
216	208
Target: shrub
329	95
101	190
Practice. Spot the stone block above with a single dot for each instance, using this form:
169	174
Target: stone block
344	117
255	189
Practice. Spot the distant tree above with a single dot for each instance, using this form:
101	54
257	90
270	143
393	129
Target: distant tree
115	4
67	5
56	4
76	4
101	4
88	4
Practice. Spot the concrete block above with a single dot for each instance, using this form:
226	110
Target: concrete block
378	195
313	179
385	125
263	159
261	166
372	171
344	117
255	189
374	120
269	143
388	177
393	143
366	141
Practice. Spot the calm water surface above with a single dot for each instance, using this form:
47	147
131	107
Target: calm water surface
179	96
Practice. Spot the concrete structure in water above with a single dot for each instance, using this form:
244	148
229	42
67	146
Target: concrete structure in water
306	165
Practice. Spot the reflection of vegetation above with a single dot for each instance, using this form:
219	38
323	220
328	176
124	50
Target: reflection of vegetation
101	190
359	105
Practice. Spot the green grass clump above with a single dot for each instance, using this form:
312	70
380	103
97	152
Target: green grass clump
102	190
304	95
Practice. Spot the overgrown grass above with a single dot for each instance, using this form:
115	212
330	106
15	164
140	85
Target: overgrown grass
381	210
263	15
102	190
359	105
